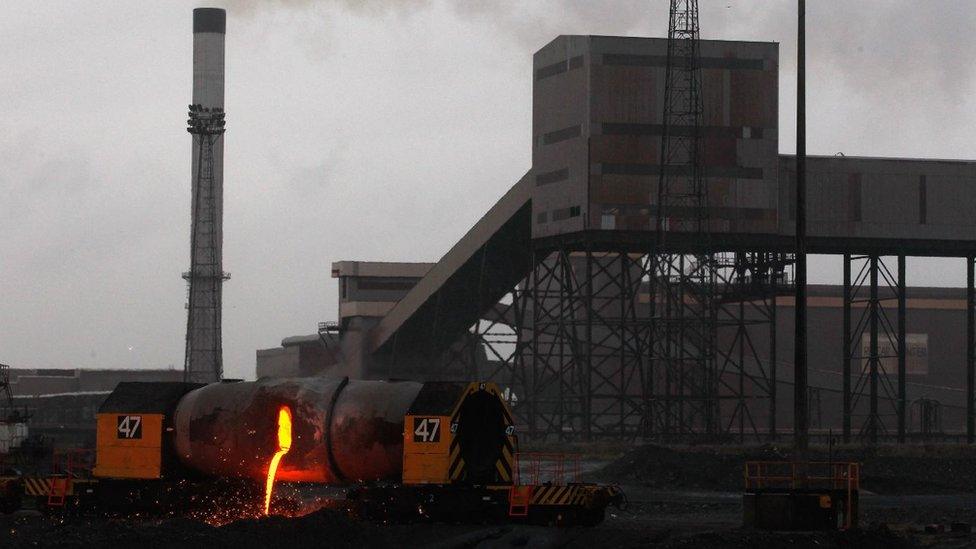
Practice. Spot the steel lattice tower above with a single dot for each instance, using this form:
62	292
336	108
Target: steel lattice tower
684	398
203	360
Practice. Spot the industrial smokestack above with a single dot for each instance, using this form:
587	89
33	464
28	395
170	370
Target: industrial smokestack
204	360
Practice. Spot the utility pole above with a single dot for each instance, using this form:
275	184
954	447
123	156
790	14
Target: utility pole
800	411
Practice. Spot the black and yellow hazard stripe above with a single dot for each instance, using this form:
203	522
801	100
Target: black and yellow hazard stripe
456	462
43	486
505	465
506	462
581	496
557	495
455	468
35	486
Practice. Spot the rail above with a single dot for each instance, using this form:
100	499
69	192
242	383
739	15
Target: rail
72	462
548	468
792	475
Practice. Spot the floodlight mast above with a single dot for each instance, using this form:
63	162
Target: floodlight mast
204	353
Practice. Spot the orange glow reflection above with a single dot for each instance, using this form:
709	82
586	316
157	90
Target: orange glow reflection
284	444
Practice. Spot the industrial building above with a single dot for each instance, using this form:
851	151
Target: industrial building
547	294
61	402
32	382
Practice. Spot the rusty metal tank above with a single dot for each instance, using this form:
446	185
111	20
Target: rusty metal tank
342	430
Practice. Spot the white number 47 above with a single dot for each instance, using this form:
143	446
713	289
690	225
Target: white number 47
427	429
129	426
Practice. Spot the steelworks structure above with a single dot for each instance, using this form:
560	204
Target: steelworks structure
204	354
555	284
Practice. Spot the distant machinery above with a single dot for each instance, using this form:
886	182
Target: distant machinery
13	421
926	417
8	412
204	354
6	397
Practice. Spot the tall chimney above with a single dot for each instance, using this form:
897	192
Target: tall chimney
204	355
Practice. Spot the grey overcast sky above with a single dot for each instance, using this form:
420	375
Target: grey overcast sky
369	130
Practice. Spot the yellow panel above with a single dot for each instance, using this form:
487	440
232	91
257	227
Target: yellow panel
425	469
426	443
129	445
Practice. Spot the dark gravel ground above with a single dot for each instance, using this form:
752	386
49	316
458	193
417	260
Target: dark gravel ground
884	470
679	498
671	520
35	530
331	529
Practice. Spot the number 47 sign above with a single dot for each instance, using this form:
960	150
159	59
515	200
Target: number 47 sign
426	429
129	427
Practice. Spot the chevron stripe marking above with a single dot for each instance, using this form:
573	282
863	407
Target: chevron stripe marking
539	493
38	486
505	476
457	468
570	493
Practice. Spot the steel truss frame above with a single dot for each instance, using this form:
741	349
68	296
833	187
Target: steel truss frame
683	310
575	353
684	320
750	283
203	359
490	347
554	341
572	343
872	289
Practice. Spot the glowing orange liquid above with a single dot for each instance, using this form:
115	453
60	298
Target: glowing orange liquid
284	444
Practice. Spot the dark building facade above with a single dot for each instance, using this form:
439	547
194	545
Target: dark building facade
62	402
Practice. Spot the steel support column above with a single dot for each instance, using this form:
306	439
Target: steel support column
873	358
902	355
773	286
800	409
846	372
873	343
970	351
586	373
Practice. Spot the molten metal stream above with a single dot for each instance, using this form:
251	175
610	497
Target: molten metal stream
284	444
